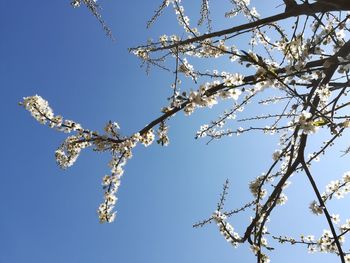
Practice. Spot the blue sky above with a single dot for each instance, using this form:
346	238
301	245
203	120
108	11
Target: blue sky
49	215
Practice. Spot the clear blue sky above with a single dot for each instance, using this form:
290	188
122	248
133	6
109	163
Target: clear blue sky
49	215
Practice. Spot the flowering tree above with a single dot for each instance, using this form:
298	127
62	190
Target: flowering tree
298	60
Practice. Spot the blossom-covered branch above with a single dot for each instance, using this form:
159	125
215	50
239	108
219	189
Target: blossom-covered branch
297	79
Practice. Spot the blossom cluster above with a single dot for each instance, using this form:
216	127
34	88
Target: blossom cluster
40	110
242	6
147	138
201	99
77	3
163	134
256	189
105	211
306	123
69	151
324	93
338	188
111	184
226	229
325	243
187	69
182	19
208	49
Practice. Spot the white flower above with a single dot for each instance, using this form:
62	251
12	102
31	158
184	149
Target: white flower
276	155
346	177
233	79
312	249
255	249
335	218
306	124
75	3
282	199
189	108
315	208
256	189
147	138
324	93
231	93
